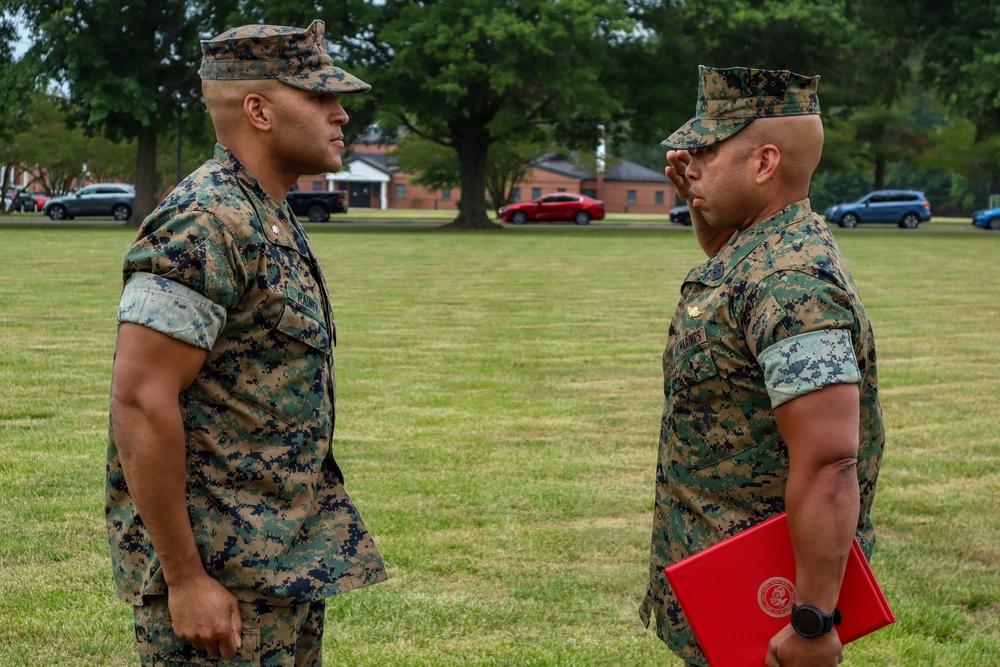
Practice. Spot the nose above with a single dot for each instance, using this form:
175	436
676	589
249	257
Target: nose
337	114
693	171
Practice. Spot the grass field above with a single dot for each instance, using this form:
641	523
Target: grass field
499	404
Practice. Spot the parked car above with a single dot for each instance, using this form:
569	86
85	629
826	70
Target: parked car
114	199
681	214
559	206
20	200
988	218
907	208
317	206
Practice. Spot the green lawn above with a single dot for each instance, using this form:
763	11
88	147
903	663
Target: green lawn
499	404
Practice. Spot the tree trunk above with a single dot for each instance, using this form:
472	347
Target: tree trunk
145	176
472	166
879	171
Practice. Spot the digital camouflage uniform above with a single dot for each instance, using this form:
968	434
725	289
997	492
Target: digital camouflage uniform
774	315
224	267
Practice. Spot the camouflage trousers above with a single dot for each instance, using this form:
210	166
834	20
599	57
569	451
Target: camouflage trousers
273	636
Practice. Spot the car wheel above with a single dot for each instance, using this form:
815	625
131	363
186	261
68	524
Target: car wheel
995	223
57	212
317	213
519	217
686	220
581	218
849	220
909	221
121	212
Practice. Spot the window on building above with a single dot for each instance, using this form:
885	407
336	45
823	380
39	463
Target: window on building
631	196
516	194
560	189
589	192
659	197
400	190
536	193
446	195
317	186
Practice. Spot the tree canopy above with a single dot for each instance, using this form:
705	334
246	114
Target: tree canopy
483	79
466	74
127	68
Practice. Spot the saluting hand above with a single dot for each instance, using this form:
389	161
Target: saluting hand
675	171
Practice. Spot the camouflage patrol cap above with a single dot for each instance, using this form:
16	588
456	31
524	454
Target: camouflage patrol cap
295	56
730	99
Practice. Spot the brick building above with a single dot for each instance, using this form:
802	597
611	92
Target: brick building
372	179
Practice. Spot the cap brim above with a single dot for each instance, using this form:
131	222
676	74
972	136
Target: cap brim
701	132
328	80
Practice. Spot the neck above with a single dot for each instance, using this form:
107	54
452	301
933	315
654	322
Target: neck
273	182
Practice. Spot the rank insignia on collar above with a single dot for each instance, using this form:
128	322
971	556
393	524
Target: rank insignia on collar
694	311
274	229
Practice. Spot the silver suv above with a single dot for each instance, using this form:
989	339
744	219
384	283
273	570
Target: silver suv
113	199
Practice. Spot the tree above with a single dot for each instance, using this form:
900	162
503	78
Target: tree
806	36
57	155
126	66
961	58
467	74
16	83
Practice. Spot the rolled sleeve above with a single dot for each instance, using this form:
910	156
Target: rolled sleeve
802	364
172	309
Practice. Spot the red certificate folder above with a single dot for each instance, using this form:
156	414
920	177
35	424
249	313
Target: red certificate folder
737	594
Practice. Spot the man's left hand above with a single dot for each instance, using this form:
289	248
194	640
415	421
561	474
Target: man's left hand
789	649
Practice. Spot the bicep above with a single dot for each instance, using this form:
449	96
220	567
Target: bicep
151	366
821	427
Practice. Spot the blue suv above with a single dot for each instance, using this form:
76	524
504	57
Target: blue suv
907	208
988	218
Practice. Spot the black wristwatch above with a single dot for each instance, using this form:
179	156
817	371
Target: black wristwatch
810	622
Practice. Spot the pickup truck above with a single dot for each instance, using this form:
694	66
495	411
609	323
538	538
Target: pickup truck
317	206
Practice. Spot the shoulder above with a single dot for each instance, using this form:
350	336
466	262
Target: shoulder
209	203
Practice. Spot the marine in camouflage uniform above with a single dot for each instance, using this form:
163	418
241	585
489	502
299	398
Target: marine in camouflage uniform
772	316
224	267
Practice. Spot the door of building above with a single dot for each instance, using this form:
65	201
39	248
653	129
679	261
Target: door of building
360	195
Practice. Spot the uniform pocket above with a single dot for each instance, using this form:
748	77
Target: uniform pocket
159	645
704	417
286	373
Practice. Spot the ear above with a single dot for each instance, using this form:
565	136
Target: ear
765	162
258	111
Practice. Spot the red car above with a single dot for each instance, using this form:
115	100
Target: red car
560	206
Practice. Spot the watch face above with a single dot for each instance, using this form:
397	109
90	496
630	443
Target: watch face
807	622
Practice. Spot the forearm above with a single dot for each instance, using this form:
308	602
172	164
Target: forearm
710	239
151	445
822	507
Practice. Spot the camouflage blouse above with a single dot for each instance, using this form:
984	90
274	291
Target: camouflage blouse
223	266
774	315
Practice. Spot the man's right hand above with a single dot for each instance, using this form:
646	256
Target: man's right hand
207	615
675	172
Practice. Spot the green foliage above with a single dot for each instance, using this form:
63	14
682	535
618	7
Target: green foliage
961	58
468	73
56	154
432	165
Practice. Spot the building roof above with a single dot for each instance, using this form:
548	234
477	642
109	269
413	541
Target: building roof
617	169
382	161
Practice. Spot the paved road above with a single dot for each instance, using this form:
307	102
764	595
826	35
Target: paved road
931	227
